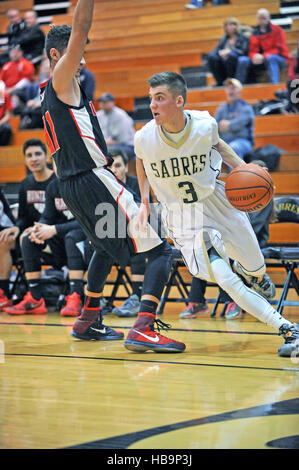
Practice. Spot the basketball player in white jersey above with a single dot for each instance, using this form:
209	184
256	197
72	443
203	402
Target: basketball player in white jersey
179	154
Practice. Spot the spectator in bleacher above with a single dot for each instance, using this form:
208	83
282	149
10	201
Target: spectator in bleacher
32	40
236	119
17	74
16	26
14	32
225	60
117	126
87	81
6	108
31	116
200	3
267	49
6	247
293	82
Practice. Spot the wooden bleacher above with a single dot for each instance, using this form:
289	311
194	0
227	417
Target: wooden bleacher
133	39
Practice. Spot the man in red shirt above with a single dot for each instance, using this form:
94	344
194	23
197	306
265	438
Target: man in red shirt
17	73
5	114
267	48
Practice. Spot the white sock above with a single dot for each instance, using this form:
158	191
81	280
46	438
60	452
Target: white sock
246	298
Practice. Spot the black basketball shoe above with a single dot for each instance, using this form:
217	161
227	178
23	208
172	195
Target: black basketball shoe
97	332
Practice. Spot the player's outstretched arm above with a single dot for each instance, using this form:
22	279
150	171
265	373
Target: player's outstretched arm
228	154
68	65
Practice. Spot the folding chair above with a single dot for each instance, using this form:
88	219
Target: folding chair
175	280
19	285
286	210
122	279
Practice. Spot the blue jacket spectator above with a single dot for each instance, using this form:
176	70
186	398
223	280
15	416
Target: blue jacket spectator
87	81
236	119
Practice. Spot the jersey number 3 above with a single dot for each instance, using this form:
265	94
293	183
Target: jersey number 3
190	192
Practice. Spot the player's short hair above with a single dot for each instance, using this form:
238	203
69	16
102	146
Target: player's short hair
118	152
58	37
34	143
172	80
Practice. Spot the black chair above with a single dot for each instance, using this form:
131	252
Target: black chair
286	210
175	280
122	279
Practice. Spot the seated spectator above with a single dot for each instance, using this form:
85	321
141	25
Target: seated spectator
44	223
58	230
6	108
31	192
267	49
31	116
200	3
16	26
32	41
120	168
236	119
293	82
87	81
14	32
117	126
227	58
17	74
7	244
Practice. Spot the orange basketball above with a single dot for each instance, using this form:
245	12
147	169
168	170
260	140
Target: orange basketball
249	188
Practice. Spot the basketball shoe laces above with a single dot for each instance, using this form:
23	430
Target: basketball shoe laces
160	325
264	283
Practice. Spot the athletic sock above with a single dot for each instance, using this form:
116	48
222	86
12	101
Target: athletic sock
249	300
147	314
35	287
89	315
4	285
76	285
137	288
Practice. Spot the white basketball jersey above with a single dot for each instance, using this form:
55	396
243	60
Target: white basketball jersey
183	172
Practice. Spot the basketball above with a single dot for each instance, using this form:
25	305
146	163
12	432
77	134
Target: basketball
249	188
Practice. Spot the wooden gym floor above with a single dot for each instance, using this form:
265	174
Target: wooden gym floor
229	390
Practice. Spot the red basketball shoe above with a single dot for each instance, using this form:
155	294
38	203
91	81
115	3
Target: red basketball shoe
73	306
28	305
146	338
4	301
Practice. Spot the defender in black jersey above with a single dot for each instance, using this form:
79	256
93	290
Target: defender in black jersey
88	187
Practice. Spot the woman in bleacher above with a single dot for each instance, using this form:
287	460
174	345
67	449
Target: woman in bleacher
224	61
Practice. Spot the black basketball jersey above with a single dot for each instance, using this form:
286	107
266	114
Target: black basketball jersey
73	134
